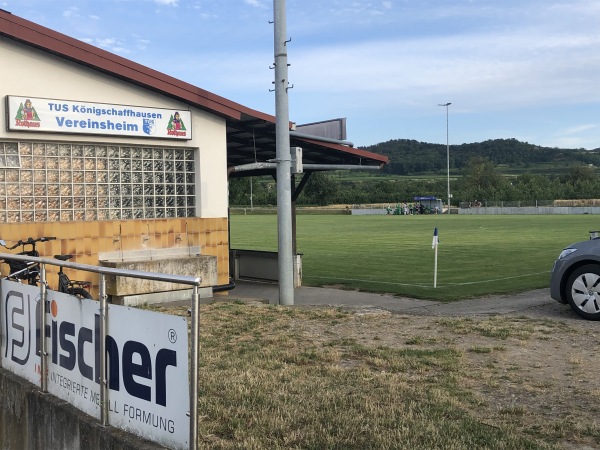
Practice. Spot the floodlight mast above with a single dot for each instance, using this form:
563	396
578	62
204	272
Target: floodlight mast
283	158
447	151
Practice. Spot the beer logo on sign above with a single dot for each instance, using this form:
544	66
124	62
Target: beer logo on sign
176	127
27	116
27	112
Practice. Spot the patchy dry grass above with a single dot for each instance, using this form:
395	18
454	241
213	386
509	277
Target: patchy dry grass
293	378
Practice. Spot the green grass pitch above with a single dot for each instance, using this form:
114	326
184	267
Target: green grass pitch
477	256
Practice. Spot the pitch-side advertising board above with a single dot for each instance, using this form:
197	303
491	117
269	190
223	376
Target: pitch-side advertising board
147	359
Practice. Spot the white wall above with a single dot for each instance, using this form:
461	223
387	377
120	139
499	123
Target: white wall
29	72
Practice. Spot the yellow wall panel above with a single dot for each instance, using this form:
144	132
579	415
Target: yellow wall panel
96	237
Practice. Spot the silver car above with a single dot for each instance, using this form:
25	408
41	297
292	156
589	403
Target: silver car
575	278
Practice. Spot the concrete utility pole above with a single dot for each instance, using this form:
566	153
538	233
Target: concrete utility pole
447	151
284	180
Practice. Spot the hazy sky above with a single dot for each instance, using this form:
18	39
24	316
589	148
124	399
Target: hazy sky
524	69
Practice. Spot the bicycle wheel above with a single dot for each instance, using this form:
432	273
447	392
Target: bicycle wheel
80	292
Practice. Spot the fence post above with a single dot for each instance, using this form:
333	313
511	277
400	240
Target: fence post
102	348
42	319
195	331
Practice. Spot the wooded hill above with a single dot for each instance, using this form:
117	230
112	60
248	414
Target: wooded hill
409	157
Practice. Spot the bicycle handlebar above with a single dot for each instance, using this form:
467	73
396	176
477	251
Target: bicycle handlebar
28	241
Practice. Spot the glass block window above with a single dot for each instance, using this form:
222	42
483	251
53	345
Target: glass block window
9	155
47	182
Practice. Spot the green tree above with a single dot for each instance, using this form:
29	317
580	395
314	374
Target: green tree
481	174
579	174
319	190
239	191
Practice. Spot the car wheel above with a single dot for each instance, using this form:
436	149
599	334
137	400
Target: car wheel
583	291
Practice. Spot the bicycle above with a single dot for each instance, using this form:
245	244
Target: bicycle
29	271
24	270
73	287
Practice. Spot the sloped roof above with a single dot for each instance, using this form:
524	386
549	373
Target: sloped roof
250	133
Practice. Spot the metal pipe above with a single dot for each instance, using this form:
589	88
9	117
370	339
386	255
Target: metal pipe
320	138
44	353
224	287
339	167
195	338
258	166
103	332
251	166
181	279
282	143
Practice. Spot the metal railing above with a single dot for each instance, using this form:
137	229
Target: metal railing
103	272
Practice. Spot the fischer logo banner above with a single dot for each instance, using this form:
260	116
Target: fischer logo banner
147	359
64	116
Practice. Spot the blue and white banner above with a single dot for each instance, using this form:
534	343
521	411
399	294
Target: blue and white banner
34	114
147	359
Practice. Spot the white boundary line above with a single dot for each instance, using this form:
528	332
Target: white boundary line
425	286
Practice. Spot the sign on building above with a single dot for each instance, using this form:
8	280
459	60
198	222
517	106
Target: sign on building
34	114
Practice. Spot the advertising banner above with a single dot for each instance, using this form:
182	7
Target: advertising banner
76	117
152	398
19	313
147	359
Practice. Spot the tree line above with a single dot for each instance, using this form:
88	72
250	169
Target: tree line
480	177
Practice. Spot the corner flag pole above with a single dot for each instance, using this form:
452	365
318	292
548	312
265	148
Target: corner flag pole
434	245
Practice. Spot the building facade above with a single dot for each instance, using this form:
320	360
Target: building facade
110	168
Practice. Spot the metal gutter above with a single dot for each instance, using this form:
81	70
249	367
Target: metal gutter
319	138
268	165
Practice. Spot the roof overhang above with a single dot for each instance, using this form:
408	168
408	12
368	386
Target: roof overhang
252	140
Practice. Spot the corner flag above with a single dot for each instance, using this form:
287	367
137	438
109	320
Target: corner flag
434	244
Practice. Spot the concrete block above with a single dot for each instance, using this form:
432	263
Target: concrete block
202	266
